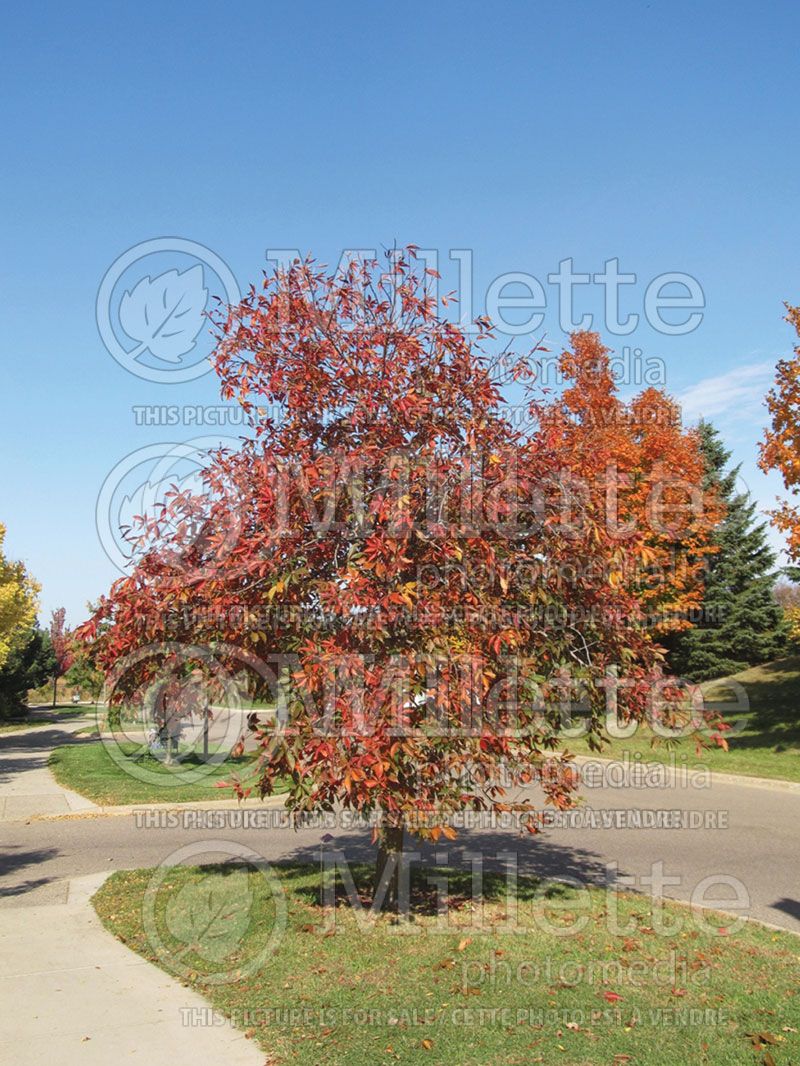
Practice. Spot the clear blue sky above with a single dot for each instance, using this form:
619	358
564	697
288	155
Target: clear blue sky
664	135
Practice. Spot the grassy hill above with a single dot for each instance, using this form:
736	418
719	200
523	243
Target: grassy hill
766	741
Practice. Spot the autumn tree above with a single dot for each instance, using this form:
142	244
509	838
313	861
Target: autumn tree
780	449
18	602
425	589
787	597
62	643
644	497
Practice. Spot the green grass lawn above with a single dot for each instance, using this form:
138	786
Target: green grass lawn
767	746
463	989
262	706
59	713
88	768
16	725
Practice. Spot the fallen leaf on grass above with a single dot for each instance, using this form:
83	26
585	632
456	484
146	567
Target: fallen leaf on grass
759	1039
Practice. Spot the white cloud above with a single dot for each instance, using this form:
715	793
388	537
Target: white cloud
739	393
734	402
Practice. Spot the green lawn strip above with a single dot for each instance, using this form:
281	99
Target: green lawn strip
89	769
765	744
258	705
752	753
460	989
55	715
20	724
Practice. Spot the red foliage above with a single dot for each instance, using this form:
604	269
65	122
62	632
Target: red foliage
425	585
62	640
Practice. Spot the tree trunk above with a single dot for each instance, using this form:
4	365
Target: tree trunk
386	885
55	688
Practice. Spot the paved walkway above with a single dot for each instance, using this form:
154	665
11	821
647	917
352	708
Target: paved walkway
71	993
27	788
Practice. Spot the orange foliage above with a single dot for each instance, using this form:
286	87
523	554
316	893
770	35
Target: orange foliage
780	449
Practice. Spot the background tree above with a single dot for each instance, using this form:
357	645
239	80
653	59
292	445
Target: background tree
29	664
643	478
740	622
432	584
62	644
83	675
780	449
18	603
787	596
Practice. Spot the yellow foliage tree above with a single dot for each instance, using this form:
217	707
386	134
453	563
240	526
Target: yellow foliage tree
18	602
788	597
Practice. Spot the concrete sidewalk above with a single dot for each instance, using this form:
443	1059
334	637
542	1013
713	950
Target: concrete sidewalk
71	993
27	788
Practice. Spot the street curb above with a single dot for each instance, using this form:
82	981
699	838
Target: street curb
715	776
268	804
745	919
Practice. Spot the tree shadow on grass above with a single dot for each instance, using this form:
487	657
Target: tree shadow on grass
432	889
487	868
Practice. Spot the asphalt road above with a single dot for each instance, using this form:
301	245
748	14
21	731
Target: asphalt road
747	835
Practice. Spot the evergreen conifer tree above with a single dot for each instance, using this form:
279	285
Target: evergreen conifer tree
741	623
